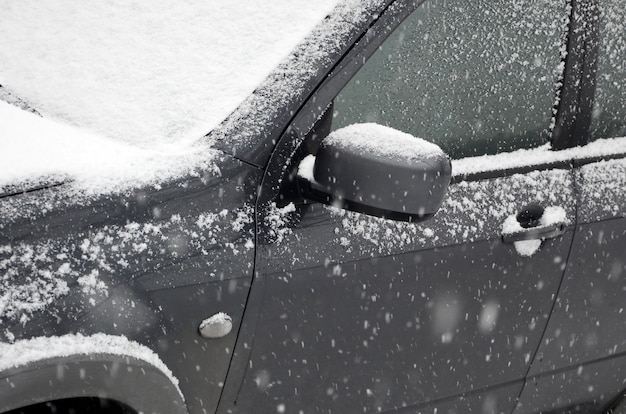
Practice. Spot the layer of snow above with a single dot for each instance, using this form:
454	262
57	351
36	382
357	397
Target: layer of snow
144	82
382	141
290	82
219	317
146	72
277	221
14	100
34	148
37	349
21	296
527	248
553	215
217	326
536	156
305	169
91	285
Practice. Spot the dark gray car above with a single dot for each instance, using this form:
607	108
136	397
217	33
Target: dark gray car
315	273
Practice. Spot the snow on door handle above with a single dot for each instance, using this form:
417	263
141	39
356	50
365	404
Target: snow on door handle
535	233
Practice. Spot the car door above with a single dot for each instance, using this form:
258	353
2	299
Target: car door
585	341
353	313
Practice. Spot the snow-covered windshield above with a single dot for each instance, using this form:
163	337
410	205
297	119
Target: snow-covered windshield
143	78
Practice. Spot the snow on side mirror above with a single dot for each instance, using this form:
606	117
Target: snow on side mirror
377	170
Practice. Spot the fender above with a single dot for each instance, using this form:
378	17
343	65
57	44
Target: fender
138	382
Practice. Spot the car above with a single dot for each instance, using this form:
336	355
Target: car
421	210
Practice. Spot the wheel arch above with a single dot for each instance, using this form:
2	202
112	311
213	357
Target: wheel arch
128	380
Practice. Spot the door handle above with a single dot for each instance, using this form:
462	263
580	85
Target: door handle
535	233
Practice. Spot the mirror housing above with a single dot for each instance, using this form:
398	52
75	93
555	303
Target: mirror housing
377	170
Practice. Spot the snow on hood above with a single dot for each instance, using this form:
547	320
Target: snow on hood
144	82
32	147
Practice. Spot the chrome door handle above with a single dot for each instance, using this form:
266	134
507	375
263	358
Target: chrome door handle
535	233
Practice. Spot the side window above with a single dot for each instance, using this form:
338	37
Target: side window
473	76
609	109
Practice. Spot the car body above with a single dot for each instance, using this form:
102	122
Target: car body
338	311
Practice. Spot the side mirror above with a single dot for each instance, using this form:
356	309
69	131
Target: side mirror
377	170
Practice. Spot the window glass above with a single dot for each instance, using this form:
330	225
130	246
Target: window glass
474	76
609	110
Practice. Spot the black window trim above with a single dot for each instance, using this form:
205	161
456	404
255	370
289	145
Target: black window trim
573	117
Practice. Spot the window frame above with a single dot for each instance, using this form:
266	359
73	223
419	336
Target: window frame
573	113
